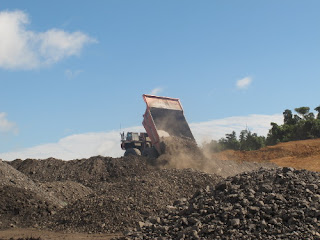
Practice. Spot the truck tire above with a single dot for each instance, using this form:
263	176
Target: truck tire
132	151
150	153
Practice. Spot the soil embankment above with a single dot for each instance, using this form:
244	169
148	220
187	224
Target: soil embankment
298	154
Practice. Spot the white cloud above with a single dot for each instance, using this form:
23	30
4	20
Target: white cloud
7	126
108	143
24	49
216	129
156	91
244	83
75	147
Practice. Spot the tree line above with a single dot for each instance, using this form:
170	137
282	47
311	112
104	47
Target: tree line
300	126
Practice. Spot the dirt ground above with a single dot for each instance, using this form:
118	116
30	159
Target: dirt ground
98	195
70	182
297	154
48	235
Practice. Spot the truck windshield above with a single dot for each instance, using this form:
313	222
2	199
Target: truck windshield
129	136
135	136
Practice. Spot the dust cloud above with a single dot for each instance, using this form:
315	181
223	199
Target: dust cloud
179	149
183	153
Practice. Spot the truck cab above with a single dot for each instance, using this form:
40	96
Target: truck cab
135	143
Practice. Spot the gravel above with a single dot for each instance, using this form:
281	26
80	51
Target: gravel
116	206
282	203
23	208
85	171
66	191
103	194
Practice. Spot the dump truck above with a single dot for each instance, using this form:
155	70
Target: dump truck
163	118
135	143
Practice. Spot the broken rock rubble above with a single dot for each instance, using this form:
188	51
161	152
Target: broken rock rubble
282	203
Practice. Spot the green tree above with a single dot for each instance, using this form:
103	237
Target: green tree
275	134
309	116
288	117
303	111
315	129
230	142
318	110
250	141
297	127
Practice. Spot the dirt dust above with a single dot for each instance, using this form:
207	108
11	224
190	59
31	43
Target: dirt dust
183	153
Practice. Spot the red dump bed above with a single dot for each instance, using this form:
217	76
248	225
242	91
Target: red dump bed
164	117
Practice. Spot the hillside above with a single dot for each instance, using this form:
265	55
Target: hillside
298	154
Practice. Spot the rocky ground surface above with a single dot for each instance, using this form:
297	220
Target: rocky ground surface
282	203
189	196
85	171
66	191
118	205
22	201
99	194
28	238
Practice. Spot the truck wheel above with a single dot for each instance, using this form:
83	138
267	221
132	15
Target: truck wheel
132	151
150	153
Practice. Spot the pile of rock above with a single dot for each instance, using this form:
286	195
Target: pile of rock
118	205
99	194
84	171
23	208
282	203
22	201
102	194
66	191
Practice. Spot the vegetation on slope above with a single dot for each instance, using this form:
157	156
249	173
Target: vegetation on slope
301	126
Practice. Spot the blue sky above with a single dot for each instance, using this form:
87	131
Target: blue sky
71	68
